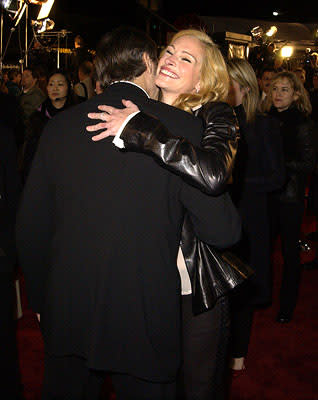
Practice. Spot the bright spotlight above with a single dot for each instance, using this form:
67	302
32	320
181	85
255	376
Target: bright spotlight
45	9
287	51
272	31
5	3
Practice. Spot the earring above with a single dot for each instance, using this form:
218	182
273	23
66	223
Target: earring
197	90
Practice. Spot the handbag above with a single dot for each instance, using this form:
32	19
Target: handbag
213	273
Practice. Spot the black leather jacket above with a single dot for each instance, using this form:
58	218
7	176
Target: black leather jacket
296	130
209	168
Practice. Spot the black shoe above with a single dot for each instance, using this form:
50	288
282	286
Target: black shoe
283	318
310	265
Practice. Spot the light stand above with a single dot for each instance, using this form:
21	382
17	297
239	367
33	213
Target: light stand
45	9
58	35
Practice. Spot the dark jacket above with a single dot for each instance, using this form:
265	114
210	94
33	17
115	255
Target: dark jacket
98	233
259	170
35	126
296	132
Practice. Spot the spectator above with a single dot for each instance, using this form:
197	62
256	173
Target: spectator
60	97
259	169
301	73
264	82
79	55
84	88
311	67
287	101
31	96
14	82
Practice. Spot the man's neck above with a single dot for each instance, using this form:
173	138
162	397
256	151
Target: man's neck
136	84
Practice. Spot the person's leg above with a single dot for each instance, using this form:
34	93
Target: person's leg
220	378
9	365
291	218
131	388
241	325
204	342
68	378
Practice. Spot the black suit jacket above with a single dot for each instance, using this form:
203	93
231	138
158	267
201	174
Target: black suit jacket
98	233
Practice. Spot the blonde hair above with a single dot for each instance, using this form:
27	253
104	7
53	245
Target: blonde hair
214	78
242	72
302	102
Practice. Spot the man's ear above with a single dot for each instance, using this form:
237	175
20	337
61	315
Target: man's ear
149	63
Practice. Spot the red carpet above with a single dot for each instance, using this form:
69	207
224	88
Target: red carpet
283	359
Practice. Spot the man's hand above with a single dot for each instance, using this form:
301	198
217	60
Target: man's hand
113	117
38	317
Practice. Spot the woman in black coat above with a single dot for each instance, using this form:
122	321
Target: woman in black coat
259	170
289	104
60	97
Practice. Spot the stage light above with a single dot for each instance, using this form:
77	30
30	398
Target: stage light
45	9
287	51
271	31
275	13
43	25
12	7
6	3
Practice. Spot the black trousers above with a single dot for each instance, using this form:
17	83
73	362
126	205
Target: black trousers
286	220
68	378
242	312
9	365
205	352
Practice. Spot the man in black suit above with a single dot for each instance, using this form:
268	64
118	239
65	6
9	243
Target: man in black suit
10	188
98	235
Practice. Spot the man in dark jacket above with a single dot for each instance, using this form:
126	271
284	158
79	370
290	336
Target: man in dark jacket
98	235
9	193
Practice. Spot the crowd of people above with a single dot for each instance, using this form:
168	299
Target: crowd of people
113	172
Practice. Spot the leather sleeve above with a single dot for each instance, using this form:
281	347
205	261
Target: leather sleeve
208	168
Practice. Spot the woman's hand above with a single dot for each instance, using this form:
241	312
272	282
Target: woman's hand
113	117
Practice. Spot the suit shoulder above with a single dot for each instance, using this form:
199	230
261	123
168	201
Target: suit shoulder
179	122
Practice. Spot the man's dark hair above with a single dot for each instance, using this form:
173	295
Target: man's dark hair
119	55
33	71
13	73
266	68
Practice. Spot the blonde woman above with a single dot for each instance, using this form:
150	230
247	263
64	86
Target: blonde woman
259	170
192	76
289	104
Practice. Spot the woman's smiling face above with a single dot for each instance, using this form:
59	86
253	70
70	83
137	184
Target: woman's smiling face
179	67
